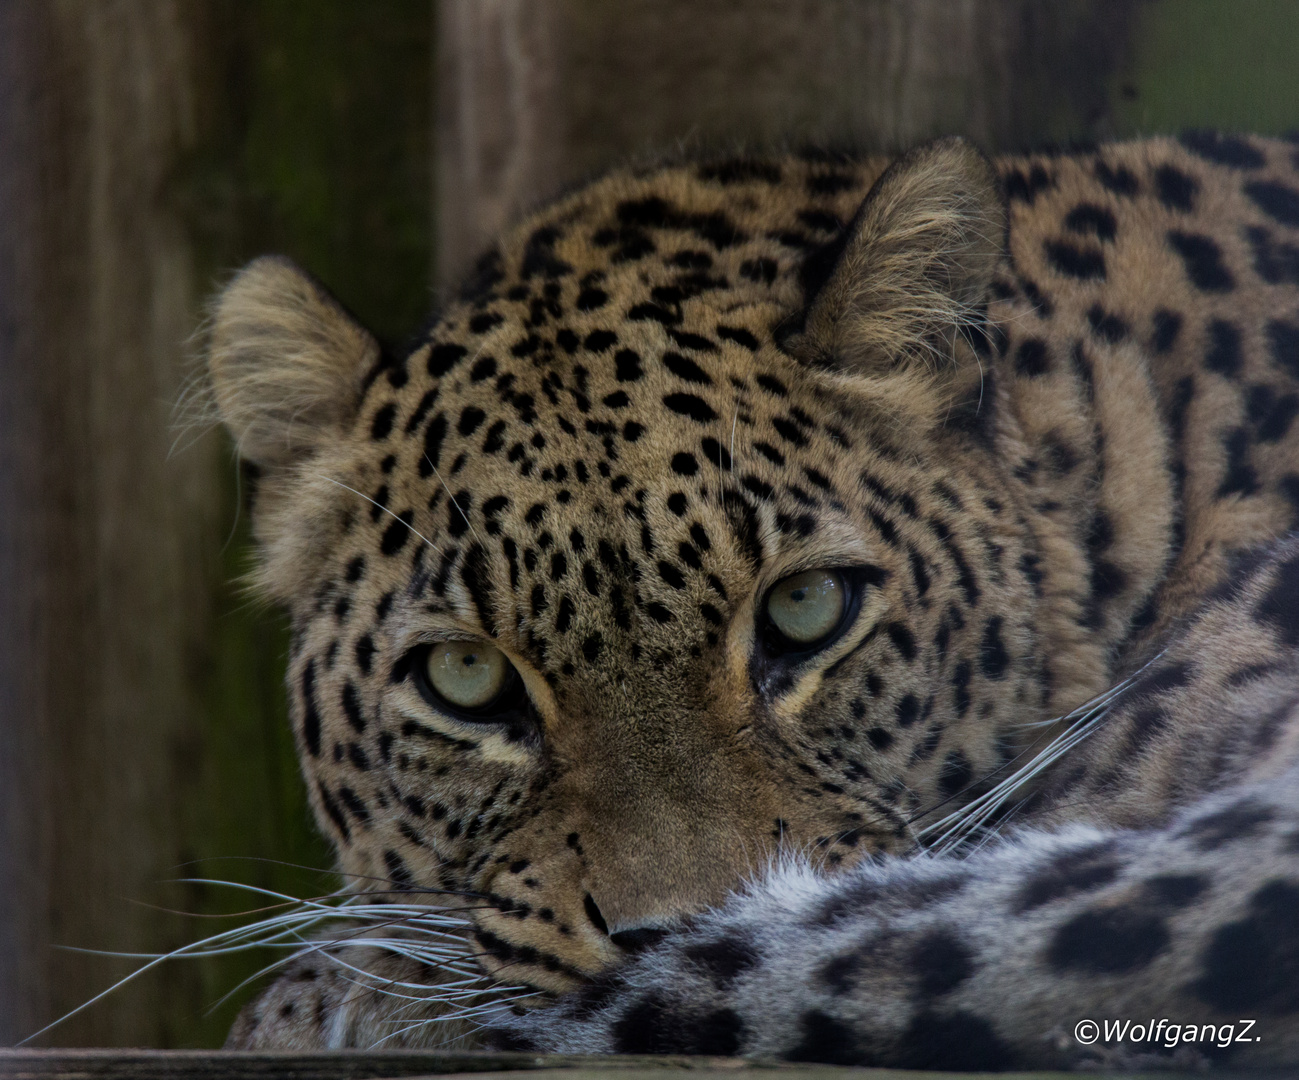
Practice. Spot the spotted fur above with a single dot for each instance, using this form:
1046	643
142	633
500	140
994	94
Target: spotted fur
1034	410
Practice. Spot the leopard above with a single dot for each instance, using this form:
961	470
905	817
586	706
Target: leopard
815	606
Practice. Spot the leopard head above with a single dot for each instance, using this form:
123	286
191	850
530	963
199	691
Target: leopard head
674	543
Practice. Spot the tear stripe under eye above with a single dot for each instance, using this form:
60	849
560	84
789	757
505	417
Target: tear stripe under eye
424	729
788	680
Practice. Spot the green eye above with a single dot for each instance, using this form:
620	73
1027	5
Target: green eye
808	606
467	674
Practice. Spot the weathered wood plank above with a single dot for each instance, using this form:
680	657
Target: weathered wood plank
534	95
110	549
368	1065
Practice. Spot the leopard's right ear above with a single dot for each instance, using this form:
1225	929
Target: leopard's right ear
286	362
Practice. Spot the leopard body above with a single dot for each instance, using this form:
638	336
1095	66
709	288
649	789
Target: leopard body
1039	416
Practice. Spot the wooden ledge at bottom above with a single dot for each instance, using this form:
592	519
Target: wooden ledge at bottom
377	1065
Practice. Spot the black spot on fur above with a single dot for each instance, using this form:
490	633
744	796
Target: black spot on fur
591	299
696	408
539	258
956	773
1224	355
993	657
1280	607
443	358
1239	821
310	711
1176	189
1252	966
1167	675
1174	891
722	960
627	366
738	335
335	814
1279	202
398	873
1120	180
1106	325
658	612
1069	874
434	434
381	426
903	640
907	710
760	270
1031	358
1108	941
880	738
1023	185
1283	342
1090	219
1203	260
1240	478
1072	261
1275	261
745	527
959	1041
1270	414
352	707
365	649
476	575
1223	149
684	464
1168	325
941	963
825	1041
396	534
654	1027
685	369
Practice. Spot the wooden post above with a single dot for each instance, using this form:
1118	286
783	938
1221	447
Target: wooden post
107	544
537	94
500	145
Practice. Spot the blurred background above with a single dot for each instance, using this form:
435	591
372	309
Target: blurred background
148	147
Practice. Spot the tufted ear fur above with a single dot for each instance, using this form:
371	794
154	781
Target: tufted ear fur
286	362
916	264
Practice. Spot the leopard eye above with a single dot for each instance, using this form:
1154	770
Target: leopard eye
467	674
807	607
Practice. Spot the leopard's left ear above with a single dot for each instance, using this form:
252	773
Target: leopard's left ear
915	268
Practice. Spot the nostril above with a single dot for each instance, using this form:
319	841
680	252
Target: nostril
638	939
635	940
593	913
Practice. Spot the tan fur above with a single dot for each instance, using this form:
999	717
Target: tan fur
286	361
635	421
921	255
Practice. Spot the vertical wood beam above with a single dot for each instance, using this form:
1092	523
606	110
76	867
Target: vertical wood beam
107	544
537	94
499	139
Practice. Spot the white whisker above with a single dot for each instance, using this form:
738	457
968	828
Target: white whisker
426	934
386	511
957	830
452	498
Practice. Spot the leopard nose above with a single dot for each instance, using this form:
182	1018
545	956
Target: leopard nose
632	939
